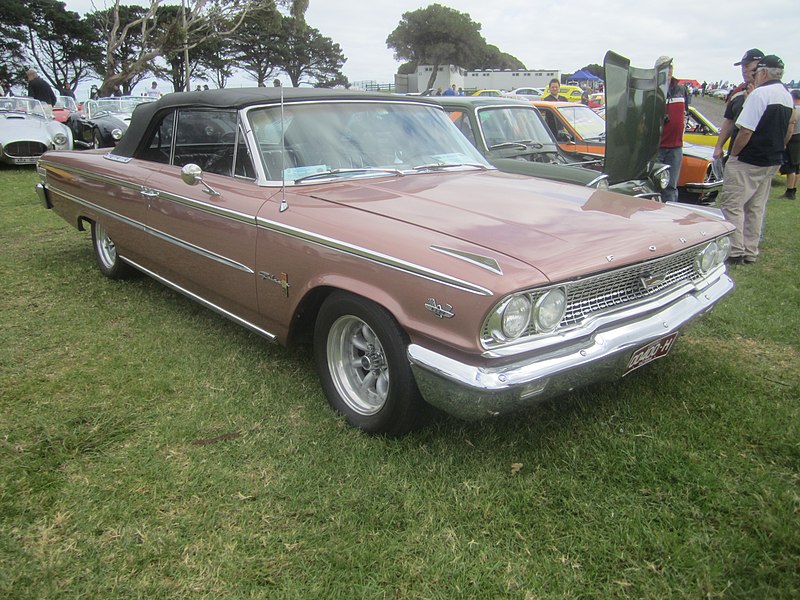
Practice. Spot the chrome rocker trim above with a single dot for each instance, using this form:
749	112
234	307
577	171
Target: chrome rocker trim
473	392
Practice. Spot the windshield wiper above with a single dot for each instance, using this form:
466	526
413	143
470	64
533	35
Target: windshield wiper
439	166
337	172
518	144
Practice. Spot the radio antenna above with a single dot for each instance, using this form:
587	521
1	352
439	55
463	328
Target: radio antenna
284	204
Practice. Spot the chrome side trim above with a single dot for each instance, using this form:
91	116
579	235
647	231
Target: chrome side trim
375	257
198	250
207	207
155	232
199	299
109	213
89	175
484	262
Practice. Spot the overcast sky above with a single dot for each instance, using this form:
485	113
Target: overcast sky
705	38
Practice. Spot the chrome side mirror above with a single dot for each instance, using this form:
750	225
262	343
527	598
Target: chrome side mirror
192	174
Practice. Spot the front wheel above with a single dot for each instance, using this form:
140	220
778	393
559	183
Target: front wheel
105	253
360	354
97	140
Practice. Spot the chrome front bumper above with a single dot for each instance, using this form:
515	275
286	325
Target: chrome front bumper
471	392
704	187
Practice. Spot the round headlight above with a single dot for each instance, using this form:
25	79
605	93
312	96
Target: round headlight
723	249
516	316
116	134
549	310
707	258
60	139
600	183
662	178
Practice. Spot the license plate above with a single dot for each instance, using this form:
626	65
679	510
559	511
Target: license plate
650	352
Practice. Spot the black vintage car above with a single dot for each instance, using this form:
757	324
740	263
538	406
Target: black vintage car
102	122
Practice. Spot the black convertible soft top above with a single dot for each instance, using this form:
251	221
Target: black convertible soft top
235	98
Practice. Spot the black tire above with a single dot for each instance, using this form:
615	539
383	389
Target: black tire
360	355
105	253
97	139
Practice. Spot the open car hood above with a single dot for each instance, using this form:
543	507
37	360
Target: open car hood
635	109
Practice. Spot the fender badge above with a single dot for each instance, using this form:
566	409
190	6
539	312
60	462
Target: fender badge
442	311
282	281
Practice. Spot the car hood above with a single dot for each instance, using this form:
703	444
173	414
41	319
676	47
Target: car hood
635	109
15	126
698	151
562	230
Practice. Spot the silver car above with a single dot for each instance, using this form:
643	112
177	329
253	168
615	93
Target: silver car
27	131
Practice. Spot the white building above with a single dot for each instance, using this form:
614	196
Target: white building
470	81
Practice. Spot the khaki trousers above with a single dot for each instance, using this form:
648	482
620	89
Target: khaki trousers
744	203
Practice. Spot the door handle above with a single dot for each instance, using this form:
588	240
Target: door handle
148	193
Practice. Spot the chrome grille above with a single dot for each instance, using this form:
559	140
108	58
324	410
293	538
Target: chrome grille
624	286
606	292
24	149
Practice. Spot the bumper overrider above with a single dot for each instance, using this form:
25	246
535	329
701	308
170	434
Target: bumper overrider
471	392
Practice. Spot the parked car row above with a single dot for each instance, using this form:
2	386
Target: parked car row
371	226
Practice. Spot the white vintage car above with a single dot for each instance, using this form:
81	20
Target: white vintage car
27	132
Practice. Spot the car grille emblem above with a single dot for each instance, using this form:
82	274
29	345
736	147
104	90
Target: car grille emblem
650	280
443	311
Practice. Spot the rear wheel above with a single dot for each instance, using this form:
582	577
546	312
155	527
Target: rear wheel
360	354
105	253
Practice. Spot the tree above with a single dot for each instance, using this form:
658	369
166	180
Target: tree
436	35
202	17
126	52
493	58
307	53
258	44
44	35
596	70
12	41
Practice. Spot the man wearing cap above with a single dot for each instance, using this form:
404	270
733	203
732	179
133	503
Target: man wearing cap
755	157
736	98
670	151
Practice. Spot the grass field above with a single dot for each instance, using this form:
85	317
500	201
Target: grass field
149	448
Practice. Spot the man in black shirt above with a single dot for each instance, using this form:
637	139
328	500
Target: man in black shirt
754	158
39	89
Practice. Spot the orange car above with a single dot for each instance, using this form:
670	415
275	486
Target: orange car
582	132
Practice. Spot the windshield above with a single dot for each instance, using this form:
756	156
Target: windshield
115	105
513	125
66	102
351	139
23	105
587	123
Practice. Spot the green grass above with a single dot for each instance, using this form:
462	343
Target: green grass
149	448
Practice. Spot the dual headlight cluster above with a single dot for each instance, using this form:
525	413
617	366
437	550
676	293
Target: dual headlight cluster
713	254
513	317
